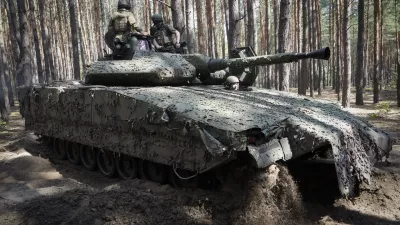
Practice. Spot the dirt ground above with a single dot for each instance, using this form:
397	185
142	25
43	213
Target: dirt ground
36	188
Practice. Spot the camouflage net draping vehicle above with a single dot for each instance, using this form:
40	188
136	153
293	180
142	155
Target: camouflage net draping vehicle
162	115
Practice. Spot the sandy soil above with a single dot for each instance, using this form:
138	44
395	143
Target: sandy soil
36	188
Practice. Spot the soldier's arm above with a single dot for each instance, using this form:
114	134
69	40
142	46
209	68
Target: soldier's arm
177	34
135	26
152	33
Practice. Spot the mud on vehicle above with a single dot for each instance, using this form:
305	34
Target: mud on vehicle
163	116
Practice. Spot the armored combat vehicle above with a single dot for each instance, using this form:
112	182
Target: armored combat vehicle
163	116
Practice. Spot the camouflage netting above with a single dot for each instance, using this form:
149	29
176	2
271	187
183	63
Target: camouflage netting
308	124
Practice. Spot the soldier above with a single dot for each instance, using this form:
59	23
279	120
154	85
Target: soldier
162	33
232	83
122	23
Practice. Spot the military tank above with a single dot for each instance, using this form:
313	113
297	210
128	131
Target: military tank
173	117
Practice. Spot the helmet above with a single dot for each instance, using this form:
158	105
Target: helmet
124	4
157	18
232	83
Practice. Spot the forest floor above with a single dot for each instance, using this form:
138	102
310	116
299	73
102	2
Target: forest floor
36	188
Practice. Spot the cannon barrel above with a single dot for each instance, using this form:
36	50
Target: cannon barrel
220	64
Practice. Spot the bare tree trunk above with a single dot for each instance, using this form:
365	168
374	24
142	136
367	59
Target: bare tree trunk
310	38
211	27
381	71
346	54
14	38
36	41
313	37
233	33
282	45
75	42
250	34
226	16
360	54
321	77
275	5
397	55
155	7
4	98
304	70
366	58
25	77
215	34
200	37
51	73
338	50
13	50
267	41
189	25
177	16
376	51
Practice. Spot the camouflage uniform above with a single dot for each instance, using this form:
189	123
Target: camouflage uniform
120	25
163	35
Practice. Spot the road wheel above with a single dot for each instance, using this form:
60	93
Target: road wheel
127	166
60	148
88	157
73	152
154	171
106	162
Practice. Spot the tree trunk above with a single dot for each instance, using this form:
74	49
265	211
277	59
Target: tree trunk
397	55
233	34
376	51
24	75
282	45
346	54
189	25
36	41
177	16
275	5
250	34
13	52
211	27
304	69
321	76
14	38
215	34
366	58
298	40
200	38
155	6
226	16
4	100
380	46
267	42
338	50
75	42
51	73
360	54
310	37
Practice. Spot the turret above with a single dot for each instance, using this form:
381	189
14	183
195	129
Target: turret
166	69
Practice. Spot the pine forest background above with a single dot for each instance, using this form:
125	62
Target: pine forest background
46	40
